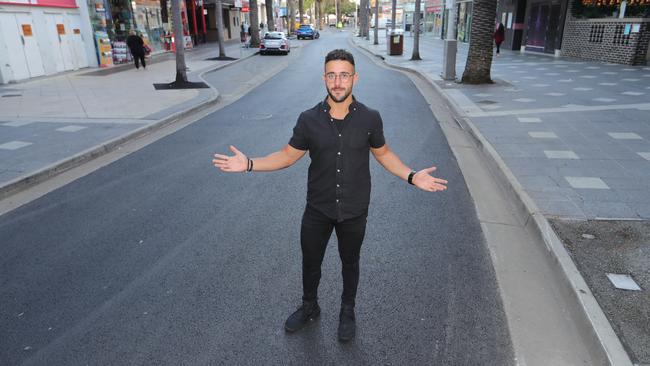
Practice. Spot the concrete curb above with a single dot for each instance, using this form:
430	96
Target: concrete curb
607	345
31	179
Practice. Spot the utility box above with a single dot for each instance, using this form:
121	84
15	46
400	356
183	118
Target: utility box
395	42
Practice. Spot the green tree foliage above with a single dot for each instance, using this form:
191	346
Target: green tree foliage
347	7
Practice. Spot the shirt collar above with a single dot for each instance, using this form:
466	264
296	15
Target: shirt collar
325	107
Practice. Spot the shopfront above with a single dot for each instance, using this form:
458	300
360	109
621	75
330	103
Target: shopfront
434	12
464	20
113	20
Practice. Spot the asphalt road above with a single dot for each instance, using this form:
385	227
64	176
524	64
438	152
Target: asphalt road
160	259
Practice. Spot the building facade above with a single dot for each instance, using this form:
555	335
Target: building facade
43	37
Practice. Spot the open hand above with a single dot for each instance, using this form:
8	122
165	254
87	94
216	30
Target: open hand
231	164
426	182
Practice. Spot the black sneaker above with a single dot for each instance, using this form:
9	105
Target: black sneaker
347	325
308	312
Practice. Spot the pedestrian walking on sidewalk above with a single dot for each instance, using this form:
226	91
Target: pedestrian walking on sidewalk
137	48
499	35
339	133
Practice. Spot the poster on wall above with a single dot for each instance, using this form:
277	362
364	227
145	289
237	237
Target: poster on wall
104	49
27	30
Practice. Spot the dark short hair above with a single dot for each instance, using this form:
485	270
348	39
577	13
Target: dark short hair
341	55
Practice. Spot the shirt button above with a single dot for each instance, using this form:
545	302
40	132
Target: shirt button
339	153
337	186
339	135
337	201
338	170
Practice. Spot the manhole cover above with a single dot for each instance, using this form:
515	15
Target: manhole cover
257	117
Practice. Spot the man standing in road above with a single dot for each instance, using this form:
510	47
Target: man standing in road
339	133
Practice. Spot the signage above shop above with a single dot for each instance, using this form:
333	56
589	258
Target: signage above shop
50	3
245	9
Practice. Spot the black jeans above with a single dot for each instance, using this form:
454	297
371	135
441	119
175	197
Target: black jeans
315	232
139	58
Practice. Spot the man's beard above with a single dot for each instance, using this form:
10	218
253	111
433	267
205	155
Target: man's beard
340	100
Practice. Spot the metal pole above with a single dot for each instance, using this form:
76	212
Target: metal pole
450	45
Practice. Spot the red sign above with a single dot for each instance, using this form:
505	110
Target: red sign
58	3
245	9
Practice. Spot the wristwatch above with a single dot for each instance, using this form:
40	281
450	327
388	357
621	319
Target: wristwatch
410	178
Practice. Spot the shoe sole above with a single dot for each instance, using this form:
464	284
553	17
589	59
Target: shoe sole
310	320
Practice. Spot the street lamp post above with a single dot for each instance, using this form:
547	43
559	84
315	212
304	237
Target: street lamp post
450	45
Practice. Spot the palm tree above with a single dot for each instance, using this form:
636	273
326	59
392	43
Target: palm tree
337	8
301	9
220	29
181	68
291	24
255	24
376	32
393	14
416	28
479	56
363	17
270	24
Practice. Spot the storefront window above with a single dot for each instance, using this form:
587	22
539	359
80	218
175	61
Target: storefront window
148	22
464	21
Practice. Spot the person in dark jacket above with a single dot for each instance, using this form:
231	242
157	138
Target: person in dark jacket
499	35
136	45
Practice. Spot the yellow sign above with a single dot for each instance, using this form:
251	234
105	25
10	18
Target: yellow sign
27	30
60	29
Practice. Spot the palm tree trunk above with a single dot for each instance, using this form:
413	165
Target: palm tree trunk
270	24
393	14
337	7
181	68
255	24
363	17
376	32
479	56
219	9
301	10
292	17
416	28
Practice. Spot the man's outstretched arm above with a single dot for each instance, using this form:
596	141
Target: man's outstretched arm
422	179
239	162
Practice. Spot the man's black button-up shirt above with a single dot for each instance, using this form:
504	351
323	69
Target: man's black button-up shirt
339	173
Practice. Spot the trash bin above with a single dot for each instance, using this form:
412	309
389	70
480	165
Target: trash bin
395	41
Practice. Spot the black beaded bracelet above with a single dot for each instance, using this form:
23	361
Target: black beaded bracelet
251	169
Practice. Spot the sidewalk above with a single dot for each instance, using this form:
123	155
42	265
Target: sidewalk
88	109
572	140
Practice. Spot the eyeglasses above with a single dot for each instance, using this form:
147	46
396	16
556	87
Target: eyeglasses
344	76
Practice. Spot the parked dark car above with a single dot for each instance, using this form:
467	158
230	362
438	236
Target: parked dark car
274	42
307	31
